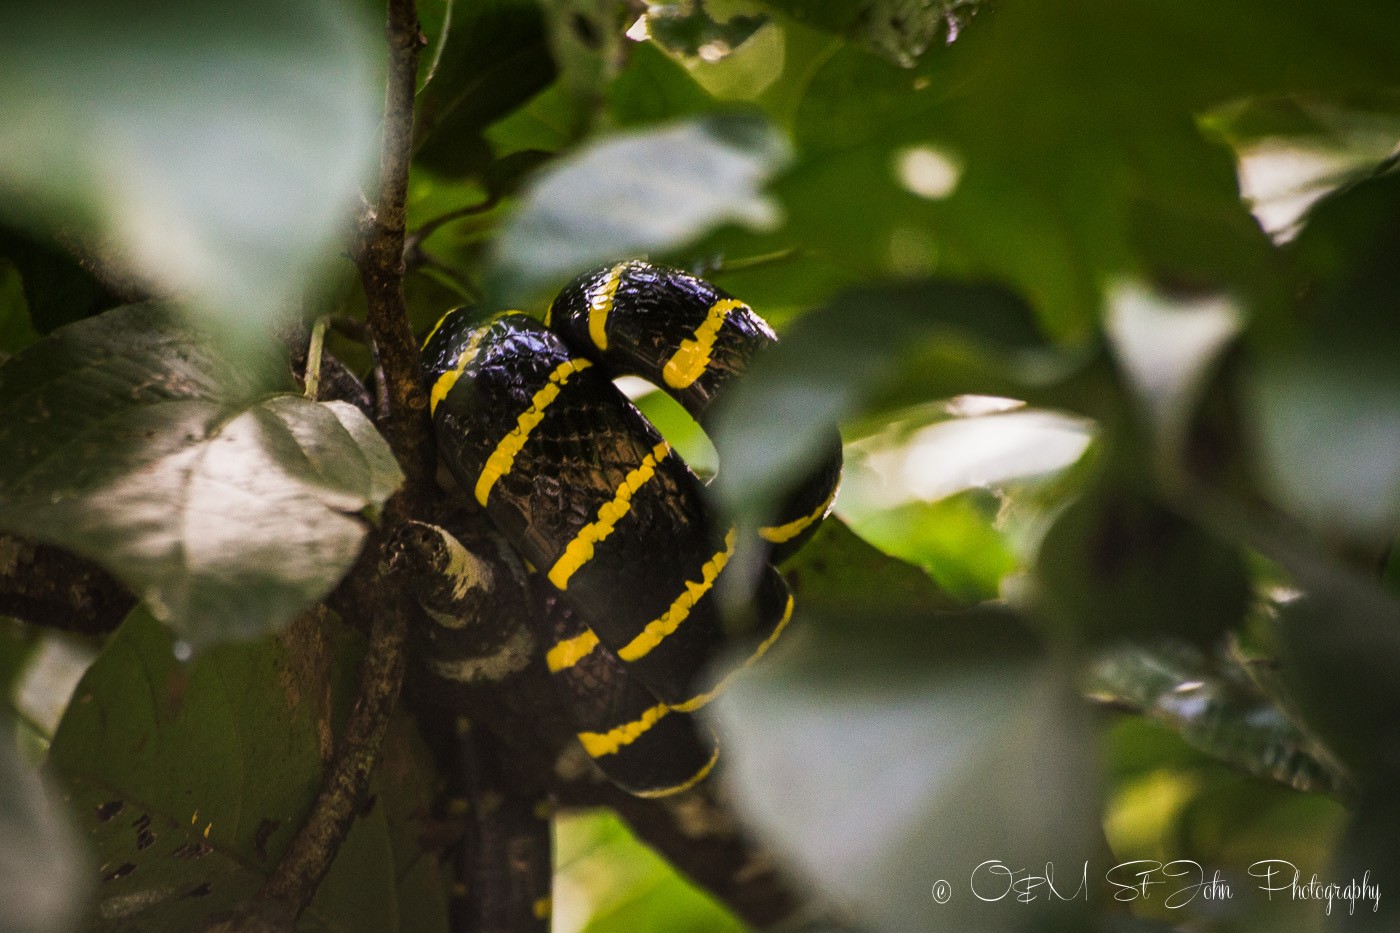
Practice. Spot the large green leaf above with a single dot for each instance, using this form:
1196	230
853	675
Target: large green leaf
42	867
494	57
881	758
215	149
192	780
228	504
610	201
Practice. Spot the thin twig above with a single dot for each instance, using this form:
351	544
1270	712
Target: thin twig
428	228
313	358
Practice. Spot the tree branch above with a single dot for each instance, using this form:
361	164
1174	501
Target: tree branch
379	254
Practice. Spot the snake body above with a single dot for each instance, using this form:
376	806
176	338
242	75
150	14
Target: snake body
613	522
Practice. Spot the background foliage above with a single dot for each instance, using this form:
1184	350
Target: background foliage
1104	296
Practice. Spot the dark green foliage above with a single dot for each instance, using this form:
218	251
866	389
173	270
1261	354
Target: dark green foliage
1165	232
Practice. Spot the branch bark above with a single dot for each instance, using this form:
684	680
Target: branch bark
379	254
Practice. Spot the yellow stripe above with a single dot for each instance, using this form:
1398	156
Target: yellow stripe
690	782
447	380
567	653
689	362
428	339
690	706
658	629
600	304
795	527
503	457
580	549
543	907
599	744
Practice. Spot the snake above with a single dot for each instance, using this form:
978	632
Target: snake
618	531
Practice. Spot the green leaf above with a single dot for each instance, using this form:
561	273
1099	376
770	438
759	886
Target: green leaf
230	178
495	58
1220	713
953	539
227	506
838	575
607	201
1324	388
43	871
653	88
193	780
624	885
881	757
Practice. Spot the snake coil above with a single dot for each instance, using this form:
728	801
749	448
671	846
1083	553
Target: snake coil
591	496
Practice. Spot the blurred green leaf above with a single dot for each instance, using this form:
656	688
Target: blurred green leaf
1339	650
607	201
1324	387
218	149
228	505
18	643
495	57
193	780
881	757
953	539
43	883
1116	565
1044	146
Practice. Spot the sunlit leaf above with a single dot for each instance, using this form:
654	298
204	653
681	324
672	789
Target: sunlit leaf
901	30
228	504
217	150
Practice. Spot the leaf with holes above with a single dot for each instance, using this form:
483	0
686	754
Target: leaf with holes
225	502
191	781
